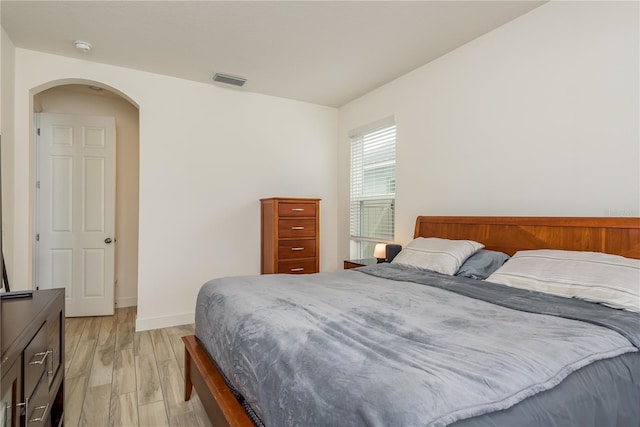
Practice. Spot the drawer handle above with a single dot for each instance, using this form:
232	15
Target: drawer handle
297	249
44	355
41	417
297	228
53	353
297	209
297	269
18	405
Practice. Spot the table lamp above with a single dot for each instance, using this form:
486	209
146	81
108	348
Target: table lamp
380	252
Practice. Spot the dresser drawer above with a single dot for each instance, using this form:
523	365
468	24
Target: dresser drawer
38	408
35	360
54	330
297	209
297	267
304	248
297	228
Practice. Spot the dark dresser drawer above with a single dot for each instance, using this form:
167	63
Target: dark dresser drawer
54	330
301	248
35	360
38	407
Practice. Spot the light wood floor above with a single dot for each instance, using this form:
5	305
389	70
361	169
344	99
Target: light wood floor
117	377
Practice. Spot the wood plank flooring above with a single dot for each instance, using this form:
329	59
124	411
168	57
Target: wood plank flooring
117	377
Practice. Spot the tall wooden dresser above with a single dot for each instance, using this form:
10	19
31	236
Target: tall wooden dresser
290	230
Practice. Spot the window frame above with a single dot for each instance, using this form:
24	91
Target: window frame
361	241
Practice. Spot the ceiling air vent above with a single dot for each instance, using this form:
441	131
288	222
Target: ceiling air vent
229	79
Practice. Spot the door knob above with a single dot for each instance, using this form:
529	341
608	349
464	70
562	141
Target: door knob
108	240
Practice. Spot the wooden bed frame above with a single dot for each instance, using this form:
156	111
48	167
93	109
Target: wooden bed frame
619	236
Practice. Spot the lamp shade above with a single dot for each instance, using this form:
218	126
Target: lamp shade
380	251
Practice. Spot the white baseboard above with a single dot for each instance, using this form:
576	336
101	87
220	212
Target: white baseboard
126	302
165	321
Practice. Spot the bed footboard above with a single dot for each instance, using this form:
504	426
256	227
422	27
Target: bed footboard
220	404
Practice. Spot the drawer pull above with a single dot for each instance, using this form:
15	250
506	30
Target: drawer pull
297	228
297	249
18	405
297	209
52	352
44	355
297	269
41	417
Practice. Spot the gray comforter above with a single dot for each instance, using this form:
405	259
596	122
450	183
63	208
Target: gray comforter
350	349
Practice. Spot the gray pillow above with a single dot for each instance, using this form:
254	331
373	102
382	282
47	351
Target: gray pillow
482	264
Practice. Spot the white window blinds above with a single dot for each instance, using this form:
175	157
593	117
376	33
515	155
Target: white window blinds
373	187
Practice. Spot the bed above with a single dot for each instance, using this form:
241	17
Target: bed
587	353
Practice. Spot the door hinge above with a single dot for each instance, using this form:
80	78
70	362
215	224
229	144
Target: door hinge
38	237
37	184
38	131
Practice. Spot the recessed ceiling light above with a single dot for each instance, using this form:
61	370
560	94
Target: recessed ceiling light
82	46
229	79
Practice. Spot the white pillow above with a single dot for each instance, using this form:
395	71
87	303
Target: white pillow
592	276
440	255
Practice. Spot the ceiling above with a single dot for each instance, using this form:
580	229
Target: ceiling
323	52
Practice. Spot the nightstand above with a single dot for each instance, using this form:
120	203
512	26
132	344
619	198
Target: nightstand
355	263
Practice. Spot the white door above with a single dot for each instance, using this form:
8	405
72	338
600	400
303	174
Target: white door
75	210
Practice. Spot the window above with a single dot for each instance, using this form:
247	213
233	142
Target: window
373	188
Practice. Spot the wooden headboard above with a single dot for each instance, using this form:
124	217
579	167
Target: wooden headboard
619	236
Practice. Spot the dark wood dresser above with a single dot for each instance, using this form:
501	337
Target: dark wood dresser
290	230
32	362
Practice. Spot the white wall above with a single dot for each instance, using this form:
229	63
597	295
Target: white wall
7	80
538	117
79	100
207	155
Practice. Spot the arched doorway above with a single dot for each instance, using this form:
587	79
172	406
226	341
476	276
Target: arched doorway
83	98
